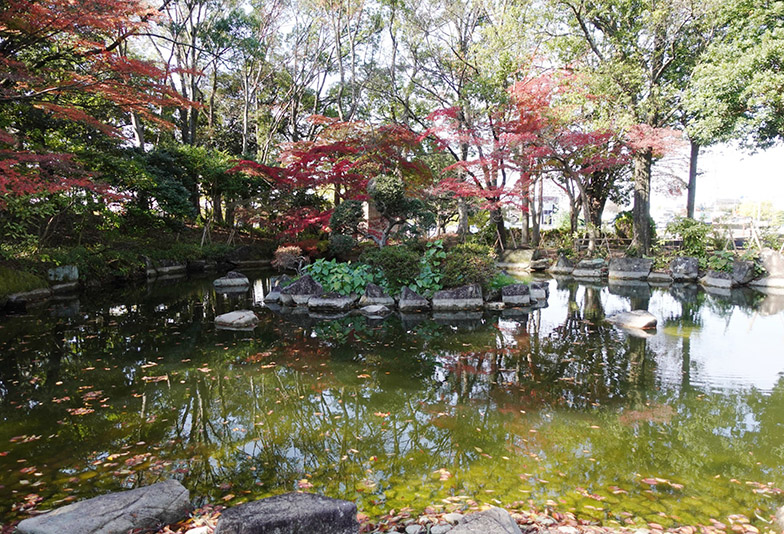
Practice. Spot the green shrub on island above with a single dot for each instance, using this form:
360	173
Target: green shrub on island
398	264
694	236
340	246
469	263
500	281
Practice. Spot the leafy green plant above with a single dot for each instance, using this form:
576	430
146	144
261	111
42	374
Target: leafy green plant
428	281
721	260
694	235
500	281
342	278
341	245
468	264
398	264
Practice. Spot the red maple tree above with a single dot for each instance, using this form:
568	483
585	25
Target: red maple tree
60	57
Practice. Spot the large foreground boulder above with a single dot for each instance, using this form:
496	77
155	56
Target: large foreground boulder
295	513
742	272
684	269
411	301
516	295
630	268
492	521
301	291
459	299
136	510
637	319
237	320
376	296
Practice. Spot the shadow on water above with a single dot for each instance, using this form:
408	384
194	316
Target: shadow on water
552	406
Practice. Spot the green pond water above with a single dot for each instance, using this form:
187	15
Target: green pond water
553	408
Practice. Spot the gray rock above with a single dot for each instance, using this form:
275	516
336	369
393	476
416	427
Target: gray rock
63	273
516	295
440	529
36	295
718	279
639	319
412	302
237	320
684	269
540	265
742	272
594	268
659	278
773	262
492	521
494	306
332	302
232	279
540	291
453	518
459	299
415	529
769	282
278	283
563	265
780	518
630	268
376	311
116	513
301	290
375	295
295	513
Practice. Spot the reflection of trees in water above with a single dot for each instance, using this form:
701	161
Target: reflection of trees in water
342	393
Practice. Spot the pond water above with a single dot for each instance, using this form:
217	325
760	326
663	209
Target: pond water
554	408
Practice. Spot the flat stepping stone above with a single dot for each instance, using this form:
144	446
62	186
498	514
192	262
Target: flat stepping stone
290	513
638	319
516	295
239	320
459	299
137	510
231	280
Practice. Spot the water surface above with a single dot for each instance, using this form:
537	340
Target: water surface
553	408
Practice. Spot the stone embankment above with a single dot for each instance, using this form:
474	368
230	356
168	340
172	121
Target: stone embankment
165	506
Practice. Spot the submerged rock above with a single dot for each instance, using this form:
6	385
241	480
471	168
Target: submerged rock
717	279
375	311
540	291
136	510
239	319
412	302
290	512
639	319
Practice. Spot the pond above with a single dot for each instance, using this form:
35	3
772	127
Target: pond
553	409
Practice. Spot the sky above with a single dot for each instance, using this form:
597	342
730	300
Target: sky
727	172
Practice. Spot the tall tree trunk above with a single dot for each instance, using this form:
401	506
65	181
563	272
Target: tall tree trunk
692	192
462	217
497	218
641	211
138	130
537	214
525	215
